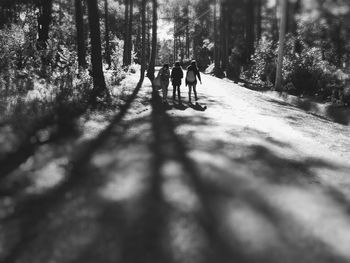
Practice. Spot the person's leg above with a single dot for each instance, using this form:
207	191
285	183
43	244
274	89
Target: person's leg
165	92
166	89
189	93
179	93
195	92
174	92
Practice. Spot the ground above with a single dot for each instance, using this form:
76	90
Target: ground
249	179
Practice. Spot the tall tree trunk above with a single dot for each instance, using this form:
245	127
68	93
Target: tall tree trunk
138	41
221	33
150	72
216	43
339	43
187	14
143	35
275	29
224	31
130	45
60	12
79	22
44	19
126	32
108	48
258	20
175	46
149	28
96	51
180	48
282	34
249	29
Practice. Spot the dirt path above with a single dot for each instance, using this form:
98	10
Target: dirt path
250	179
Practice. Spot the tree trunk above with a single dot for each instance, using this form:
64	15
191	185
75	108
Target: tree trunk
149	28
44	19
175	47
138	41
143	44
187	32
282	34
221	33
339	47
181	48
96	56
79	22
249	30
224	37
129	47
150	72
216	44
126	30
258	20
275	29
108	49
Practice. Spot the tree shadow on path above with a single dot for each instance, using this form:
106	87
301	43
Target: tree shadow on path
32	212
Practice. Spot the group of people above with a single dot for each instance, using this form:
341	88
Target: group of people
176	76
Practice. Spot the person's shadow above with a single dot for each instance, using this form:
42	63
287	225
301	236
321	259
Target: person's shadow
180	106
197	107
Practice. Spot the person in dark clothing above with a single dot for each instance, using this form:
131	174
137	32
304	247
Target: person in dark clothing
191	79
164	75
176	77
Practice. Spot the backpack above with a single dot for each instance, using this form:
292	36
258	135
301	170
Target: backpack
190	77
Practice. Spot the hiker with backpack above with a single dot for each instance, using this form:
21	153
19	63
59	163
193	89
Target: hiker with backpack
176	77
164	75
191	79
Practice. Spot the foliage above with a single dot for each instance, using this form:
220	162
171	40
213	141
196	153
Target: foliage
305	71
263	62
117	61
204	54
309	73
165	53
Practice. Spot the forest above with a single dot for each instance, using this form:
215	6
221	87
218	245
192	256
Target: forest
233	39
95	168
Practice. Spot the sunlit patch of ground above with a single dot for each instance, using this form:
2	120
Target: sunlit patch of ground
242	181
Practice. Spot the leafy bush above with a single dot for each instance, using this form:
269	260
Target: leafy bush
305	71
15	52
204	54
263	62
117	61
309	73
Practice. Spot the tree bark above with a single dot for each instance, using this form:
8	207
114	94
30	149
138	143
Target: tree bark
143	35
149	28
216	44
138	40
187	31
282	34
249	32
126	30
174	37
96	51
258	20
224	37
129	47
150	72
79	22
44	19
107	40
275	29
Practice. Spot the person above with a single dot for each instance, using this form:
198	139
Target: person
164	75
176	77
191	79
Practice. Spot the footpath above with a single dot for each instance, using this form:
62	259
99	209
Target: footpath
249	179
